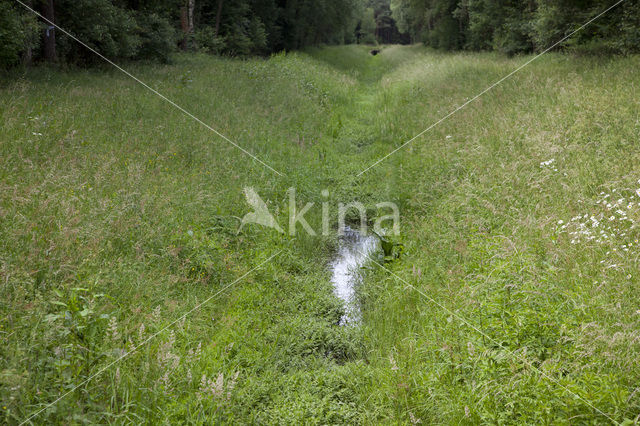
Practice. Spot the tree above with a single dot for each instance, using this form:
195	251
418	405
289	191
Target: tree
218	15
49	34
186	22
516	26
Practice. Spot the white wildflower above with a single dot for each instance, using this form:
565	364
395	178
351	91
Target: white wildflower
155	315
394	366
141	332
112	330
216	388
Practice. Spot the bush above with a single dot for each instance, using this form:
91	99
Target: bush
603	37
444	35
238	42
629	41
595	47
157	37
101	25
514	36
18	32
207	41
258	35
247	37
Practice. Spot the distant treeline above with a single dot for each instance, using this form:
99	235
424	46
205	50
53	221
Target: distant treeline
519	26
152	29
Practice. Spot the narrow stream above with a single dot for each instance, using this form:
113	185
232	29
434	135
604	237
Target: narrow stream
352	255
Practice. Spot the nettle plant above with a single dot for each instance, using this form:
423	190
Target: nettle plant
79	329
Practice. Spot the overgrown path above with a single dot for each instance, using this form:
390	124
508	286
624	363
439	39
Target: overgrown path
361	123
519	215
477	229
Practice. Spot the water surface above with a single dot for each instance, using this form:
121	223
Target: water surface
352	254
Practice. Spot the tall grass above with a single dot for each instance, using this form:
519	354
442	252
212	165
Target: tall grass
118	214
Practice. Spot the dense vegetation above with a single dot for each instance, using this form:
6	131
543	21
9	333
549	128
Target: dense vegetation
153	29
514	300
516	26
118	214
139	29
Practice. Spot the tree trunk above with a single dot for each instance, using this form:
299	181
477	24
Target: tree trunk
218	16
49	33
191	4
27	56
184	24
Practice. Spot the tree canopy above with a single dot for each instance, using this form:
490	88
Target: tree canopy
152	29
520	26
144	29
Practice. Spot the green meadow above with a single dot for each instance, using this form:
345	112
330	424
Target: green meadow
514	299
